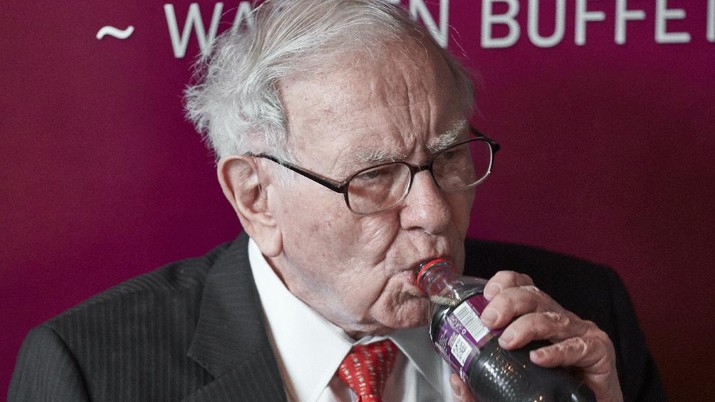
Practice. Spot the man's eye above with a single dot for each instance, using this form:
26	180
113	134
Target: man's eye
369	175
452	153
448	154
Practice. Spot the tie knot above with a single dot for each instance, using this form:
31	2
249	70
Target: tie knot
366	369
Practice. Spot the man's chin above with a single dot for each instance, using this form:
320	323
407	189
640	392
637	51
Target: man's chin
396	326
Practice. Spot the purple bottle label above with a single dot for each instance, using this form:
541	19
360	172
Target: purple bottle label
462	334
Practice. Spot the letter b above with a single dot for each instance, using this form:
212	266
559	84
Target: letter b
489	19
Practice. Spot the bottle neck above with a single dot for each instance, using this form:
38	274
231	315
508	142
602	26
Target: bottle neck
439	280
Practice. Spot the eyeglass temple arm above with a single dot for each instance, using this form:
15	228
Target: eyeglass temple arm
495	145
337	187
341	187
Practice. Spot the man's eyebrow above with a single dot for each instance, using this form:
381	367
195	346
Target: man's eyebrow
449	137
444	140
376	156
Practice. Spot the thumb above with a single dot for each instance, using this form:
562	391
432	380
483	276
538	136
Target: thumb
460	390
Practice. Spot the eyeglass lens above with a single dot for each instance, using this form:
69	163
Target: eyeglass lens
455	168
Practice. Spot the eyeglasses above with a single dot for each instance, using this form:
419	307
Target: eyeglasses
378	188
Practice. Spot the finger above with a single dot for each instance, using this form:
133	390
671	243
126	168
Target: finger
460	390
592	352
554	326
514	302
503	280
593	355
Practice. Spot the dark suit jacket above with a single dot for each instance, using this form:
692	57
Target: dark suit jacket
194	331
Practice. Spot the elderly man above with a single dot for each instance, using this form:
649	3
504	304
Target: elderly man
343	145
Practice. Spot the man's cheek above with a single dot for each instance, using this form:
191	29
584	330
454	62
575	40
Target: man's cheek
379	231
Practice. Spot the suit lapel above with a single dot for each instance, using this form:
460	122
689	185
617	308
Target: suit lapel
230	340
257	380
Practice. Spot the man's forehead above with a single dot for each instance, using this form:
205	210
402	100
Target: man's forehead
370	76
357	111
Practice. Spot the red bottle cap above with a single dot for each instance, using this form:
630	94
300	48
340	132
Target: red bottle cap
428	265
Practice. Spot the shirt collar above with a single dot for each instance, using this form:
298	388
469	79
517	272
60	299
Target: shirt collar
308	365
417	346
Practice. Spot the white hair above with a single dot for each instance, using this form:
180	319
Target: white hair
235	102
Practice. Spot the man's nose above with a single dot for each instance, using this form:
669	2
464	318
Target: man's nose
425	206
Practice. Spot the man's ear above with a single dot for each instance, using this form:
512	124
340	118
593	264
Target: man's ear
245	187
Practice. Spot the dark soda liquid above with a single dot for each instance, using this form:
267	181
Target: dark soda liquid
495	374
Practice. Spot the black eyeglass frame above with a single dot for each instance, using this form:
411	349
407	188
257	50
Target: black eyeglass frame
342	186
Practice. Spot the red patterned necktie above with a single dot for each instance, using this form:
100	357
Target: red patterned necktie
366	368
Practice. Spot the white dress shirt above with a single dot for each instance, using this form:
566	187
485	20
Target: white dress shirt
309	349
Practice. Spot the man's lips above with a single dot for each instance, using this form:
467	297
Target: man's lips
416	268
409	275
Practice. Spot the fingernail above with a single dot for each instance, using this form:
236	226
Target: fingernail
489	317
456	388
492	290
506	337
537	354
457	391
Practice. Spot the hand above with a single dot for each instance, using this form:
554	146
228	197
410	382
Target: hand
528	314
460	390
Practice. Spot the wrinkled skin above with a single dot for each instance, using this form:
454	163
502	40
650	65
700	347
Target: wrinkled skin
358	271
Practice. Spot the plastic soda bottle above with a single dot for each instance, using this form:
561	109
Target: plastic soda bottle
472	350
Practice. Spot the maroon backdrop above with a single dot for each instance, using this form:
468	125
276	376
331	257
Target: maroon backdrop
605	114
